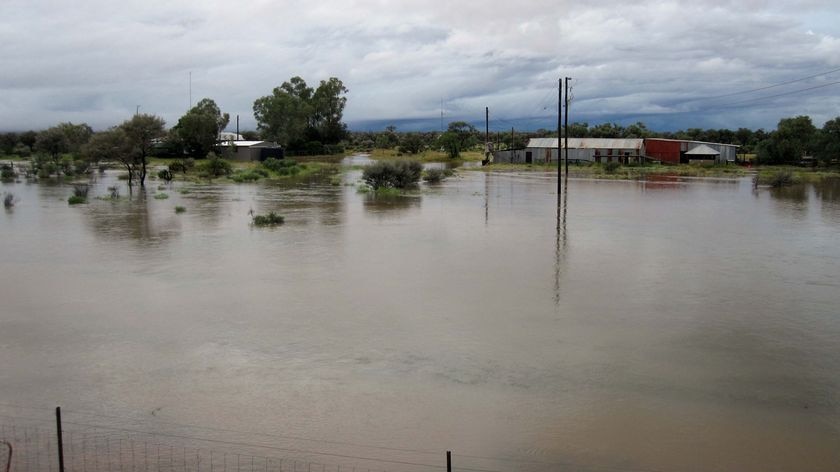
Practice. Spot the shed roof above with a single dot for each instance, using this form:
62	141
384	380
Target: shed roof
702	150
250	143
587	143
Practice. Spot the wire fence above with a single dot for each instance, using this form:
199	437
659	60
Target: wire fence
93	442
35	449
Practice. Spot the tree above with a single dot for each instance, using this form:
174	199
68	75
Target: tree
295	114
285	115
828	141
198	130
328	107
793	139
112	145
142	131
53	142
77	135
459	136
411	143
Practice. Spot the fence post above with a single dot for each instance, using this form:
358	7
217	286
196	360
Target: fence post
60	442
448	461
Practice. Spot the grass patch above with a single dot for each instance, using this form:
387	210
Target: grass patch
75	200
161	196
180	209
271	219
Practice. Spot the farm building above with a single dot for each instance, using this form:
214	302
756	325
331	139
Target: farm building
254	150
676	151
603	150
544	150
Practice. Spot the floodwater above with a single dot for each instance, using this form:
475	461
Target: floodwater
672	325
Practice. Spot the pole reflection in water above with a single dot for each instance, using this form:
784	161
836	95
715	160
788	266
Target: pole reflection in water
560	244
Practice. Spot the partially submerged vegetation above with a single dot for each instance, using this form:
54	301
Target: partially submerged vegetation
80	194
392	174
271	219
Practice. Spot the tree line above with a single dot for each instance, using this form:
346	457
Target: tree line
793	138
296	116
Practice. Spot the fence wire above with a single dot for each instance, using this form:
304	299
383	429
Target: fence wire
35	449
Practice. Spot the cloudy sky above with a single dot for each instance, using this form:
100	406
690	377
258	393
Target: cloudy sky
671	64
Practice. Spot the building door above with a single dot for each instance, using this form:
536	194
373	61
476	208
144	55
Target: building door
528	157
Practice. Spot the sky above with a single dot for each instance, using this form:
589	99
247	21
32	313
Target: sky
670	64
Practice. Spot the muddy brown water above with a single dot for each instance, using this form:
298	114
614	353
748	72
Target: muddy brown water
677	325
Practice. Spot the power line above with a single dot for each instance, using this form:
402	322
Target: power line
766	87
782	94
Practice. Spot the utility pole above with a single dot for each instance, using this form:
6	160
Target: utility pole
188	108
441	115
486	124
567	127
559	117
137	110
511	140
237	128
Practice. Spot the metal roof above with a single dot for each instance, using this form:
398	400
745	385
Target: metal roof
250	143
702	150
588	143
690	141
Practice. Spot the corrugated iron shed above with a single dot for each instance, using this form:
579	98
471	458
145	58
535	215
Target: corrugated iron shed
587	143
702	150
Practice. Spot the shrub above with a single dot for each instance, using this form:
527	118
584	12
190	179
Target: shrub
781	179
7	172
611	167
270	219
434	176
114	192
161	196
246	176
180	209
215	166
75	199
81	190
182	165
392	174
274	164
165	174
8	200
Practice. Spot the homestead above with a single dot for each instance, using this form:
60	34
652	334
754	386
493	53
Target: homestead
625	151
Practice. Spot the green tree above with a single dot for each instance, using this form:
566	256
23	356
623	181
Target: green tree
77	135
52	142
142	131
411	143
295	114
112	145
328	103
285	115
793	139
828	141
459	136
198	130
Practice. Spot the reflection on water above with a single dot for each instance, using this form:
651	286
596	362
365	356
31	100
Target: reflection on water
686	325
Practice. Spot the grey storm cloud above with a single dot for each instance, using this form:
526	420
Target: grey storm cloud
662	62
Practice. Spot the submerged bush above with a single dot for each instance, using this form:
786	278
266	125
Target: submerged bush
270	219
277	165
392	174
781	179
434	176
7	172
180	209
81	190
250	175
8	200
75	199
161	196
165	174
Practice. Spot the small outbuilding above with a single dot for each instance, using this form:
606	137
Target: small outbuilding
677	151
254	150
